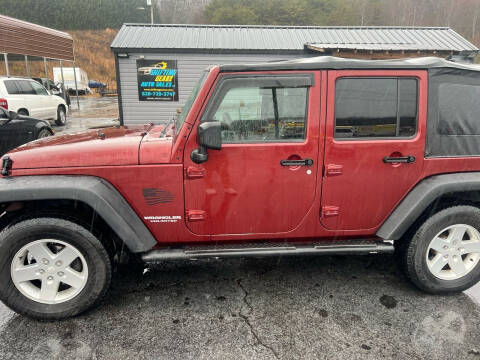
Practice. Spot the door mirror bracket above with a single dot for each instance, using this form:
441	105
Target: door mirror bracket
199	155
209	137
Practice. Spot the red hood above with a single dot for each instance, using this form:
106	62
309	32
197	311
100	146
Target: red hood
102	147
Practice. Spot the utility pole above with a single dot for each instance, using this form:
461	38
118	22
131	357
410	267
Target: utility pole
149	3
364	5
474	21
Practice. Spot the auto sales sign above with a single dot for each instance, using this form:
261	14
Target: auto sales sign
157	80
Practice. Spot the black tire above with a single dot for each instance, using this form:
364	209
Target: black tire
413	252
61	116
44	133
16	236
22	112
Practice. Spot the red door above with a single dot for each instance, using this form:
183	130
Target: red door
375	143
246	187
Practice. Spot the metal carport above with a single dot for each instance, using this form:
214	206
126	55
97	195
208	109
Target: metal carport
23	40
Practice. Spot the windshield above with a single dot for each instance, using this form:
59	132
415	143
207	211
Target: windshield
188	104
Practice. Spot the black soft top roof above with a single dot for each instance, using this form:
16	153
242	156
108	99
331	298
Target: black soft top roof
337	63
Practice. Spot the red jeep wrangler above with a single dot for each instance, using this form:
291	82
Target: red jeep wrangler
314	156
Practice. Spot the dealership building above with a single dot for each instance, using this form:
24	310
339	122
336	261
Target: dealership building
158	65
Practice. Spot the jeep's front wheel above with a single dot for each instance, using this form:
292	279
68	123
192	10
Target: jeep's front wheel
52	268
444	254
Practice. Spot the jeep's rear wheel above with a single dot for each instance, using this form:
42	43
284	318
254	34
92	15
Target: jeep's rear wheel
444	254
53	268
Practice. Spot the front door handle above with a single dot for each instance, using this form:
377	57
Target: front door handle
304	162
400	159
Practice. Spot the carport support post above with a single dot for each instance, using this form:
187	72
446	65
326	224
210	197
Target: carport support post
63	82
26	66
6	64
76	86
46	73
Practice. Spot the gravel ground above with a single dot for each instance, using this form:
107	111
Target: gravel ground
271	308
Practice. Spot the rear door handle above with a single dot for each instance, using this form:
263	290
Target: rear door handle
304	162
399	159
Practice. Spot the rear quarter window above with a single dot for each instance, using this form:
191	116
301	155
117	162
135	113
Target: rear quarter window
459	109
12	88
453	125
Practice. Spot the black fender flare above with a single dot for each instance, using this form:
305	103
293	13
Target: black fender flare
99	194
421	196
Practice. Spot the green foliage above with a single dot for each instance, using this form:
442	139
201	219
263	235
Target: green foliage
461	15
77	14
273	12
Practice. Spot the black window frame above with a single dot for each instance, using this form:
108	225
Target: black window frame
294	80
370	138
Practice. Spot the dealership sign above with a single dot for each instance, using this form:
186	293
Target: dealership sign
157	80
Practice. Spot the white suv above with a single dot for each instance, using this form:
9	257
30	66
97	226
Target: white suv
30	98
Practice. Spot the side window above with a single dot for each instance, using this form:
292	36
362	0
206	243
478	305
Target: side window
261	109
25	87
39	89
11	87
375	107
458	109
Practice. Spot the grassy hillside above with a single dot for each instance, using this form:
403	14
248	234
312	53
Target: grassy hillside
92	53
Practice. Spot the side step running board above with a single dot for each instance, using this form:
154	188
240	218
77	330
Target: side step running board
268	249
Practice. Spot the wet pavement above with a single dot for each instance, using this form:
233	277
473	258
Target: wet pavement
93	112
271	308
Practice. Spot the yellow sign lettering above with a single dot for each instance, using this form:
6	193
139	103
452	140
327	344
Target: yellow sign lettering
164	78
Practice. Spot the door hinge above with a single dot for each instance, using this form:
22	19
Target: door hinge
195	215
329	211
334	170
193	172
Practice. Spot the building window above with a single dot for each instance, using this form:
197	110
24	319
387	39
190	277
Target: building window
376	107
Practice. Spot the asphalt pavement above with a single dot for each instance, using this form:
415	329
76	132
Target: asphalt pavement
94	111
272	308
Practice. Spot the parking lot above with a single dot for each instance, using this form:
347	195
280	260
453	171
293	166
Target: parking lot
93	112
270	308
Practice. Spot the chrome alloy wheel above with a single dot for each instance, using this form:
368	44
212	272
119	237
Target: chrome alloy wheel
49	271
454	252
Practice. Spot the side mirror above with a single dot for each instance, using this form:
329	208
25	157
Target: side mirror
209	137
12	115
